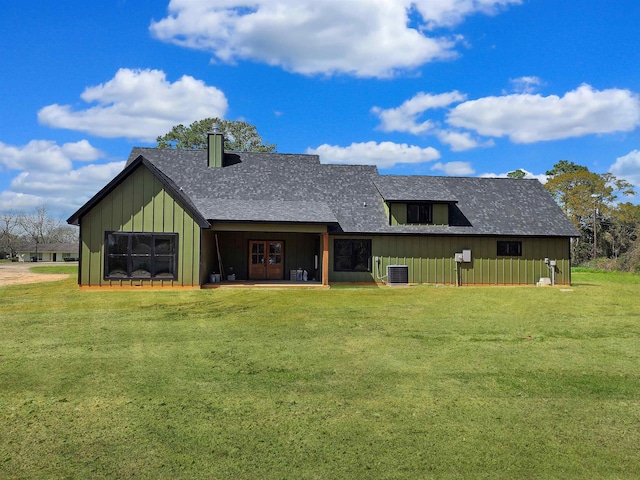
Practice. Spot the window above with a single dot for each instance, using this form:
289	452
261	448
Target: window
141	255
509	249
352	255
419	213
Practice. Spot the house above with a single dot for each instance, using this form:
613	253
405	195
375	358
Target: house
172	218
48	252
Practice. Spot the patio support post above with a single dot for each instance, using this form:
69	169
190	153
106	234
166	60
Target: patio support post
325	258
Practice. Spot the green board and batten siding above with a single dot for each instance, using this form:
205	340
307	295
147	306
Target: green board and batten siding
139	204
397	213
431	260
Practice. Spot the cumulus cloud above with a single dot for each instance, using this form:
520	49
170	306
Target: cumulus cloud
138	104
81	183
438	13
522	117
628	167
527	118
461	141
383	155
525	84
454	168
48	175
364	38
405	117
46	155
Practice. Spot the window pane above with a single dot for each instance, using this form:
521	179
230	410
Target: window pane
141	244
419	213
164	245
164	267
275	255
413	213
140	267
257	253
117	244
117	267
361	254
509	249
275	247
342	248
352	255
342	264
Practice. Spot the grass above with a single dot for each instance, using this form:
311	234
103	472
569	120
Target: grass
64	268
420	382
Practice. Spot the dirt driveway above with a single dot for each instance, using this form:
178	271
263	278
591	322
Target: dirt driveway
18	272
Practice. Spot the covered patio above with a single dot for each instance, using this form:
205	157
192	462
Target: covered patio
266	256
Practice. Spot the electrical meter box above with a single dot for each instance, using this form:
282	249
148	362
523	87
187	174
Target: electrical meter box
466	256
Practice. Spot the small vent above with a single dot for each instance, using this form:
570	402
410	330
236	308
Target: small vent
397	275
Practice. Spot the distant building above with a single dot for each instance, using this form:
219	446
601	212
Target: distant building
48	252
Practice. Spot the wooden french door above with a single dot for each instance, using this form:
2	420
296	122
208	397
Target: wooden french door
266	259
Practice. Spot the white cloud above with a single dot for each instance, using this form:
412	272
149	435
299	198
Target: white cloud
383	155
527	118
454	168
61	192
138	104
461	141
365	38
405	117
47	175
628	167
451	12
525	84
46	155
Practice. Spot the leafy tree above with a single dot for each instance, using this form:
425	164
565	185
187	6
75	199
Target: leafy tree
517	174
238	136
622	235
565	166
586	197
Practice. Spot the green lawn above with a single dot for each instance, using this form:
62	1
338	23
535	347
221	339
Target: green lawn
419	382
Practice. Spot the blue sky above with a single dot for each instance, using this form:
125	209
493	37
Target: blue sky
431	87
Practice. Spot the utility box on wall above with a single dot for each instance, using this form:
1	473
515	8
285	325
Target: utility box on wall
464	257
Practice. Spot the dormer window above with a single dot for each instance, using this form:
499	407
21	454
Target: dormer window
419	213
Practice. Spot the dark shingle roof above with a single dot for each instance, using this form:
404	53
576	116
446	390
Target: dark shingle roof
298	188
413	188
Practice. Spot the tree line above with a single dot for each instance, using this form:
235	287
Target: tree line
20	228
609	227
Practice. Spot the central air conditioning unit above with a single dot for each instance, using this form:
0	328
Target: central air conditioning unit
397	275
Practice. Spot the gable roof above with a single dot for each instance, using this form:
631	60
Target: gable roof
131	165
273	187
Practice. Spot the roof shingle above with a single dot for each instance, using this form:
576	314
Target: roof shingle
272	187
